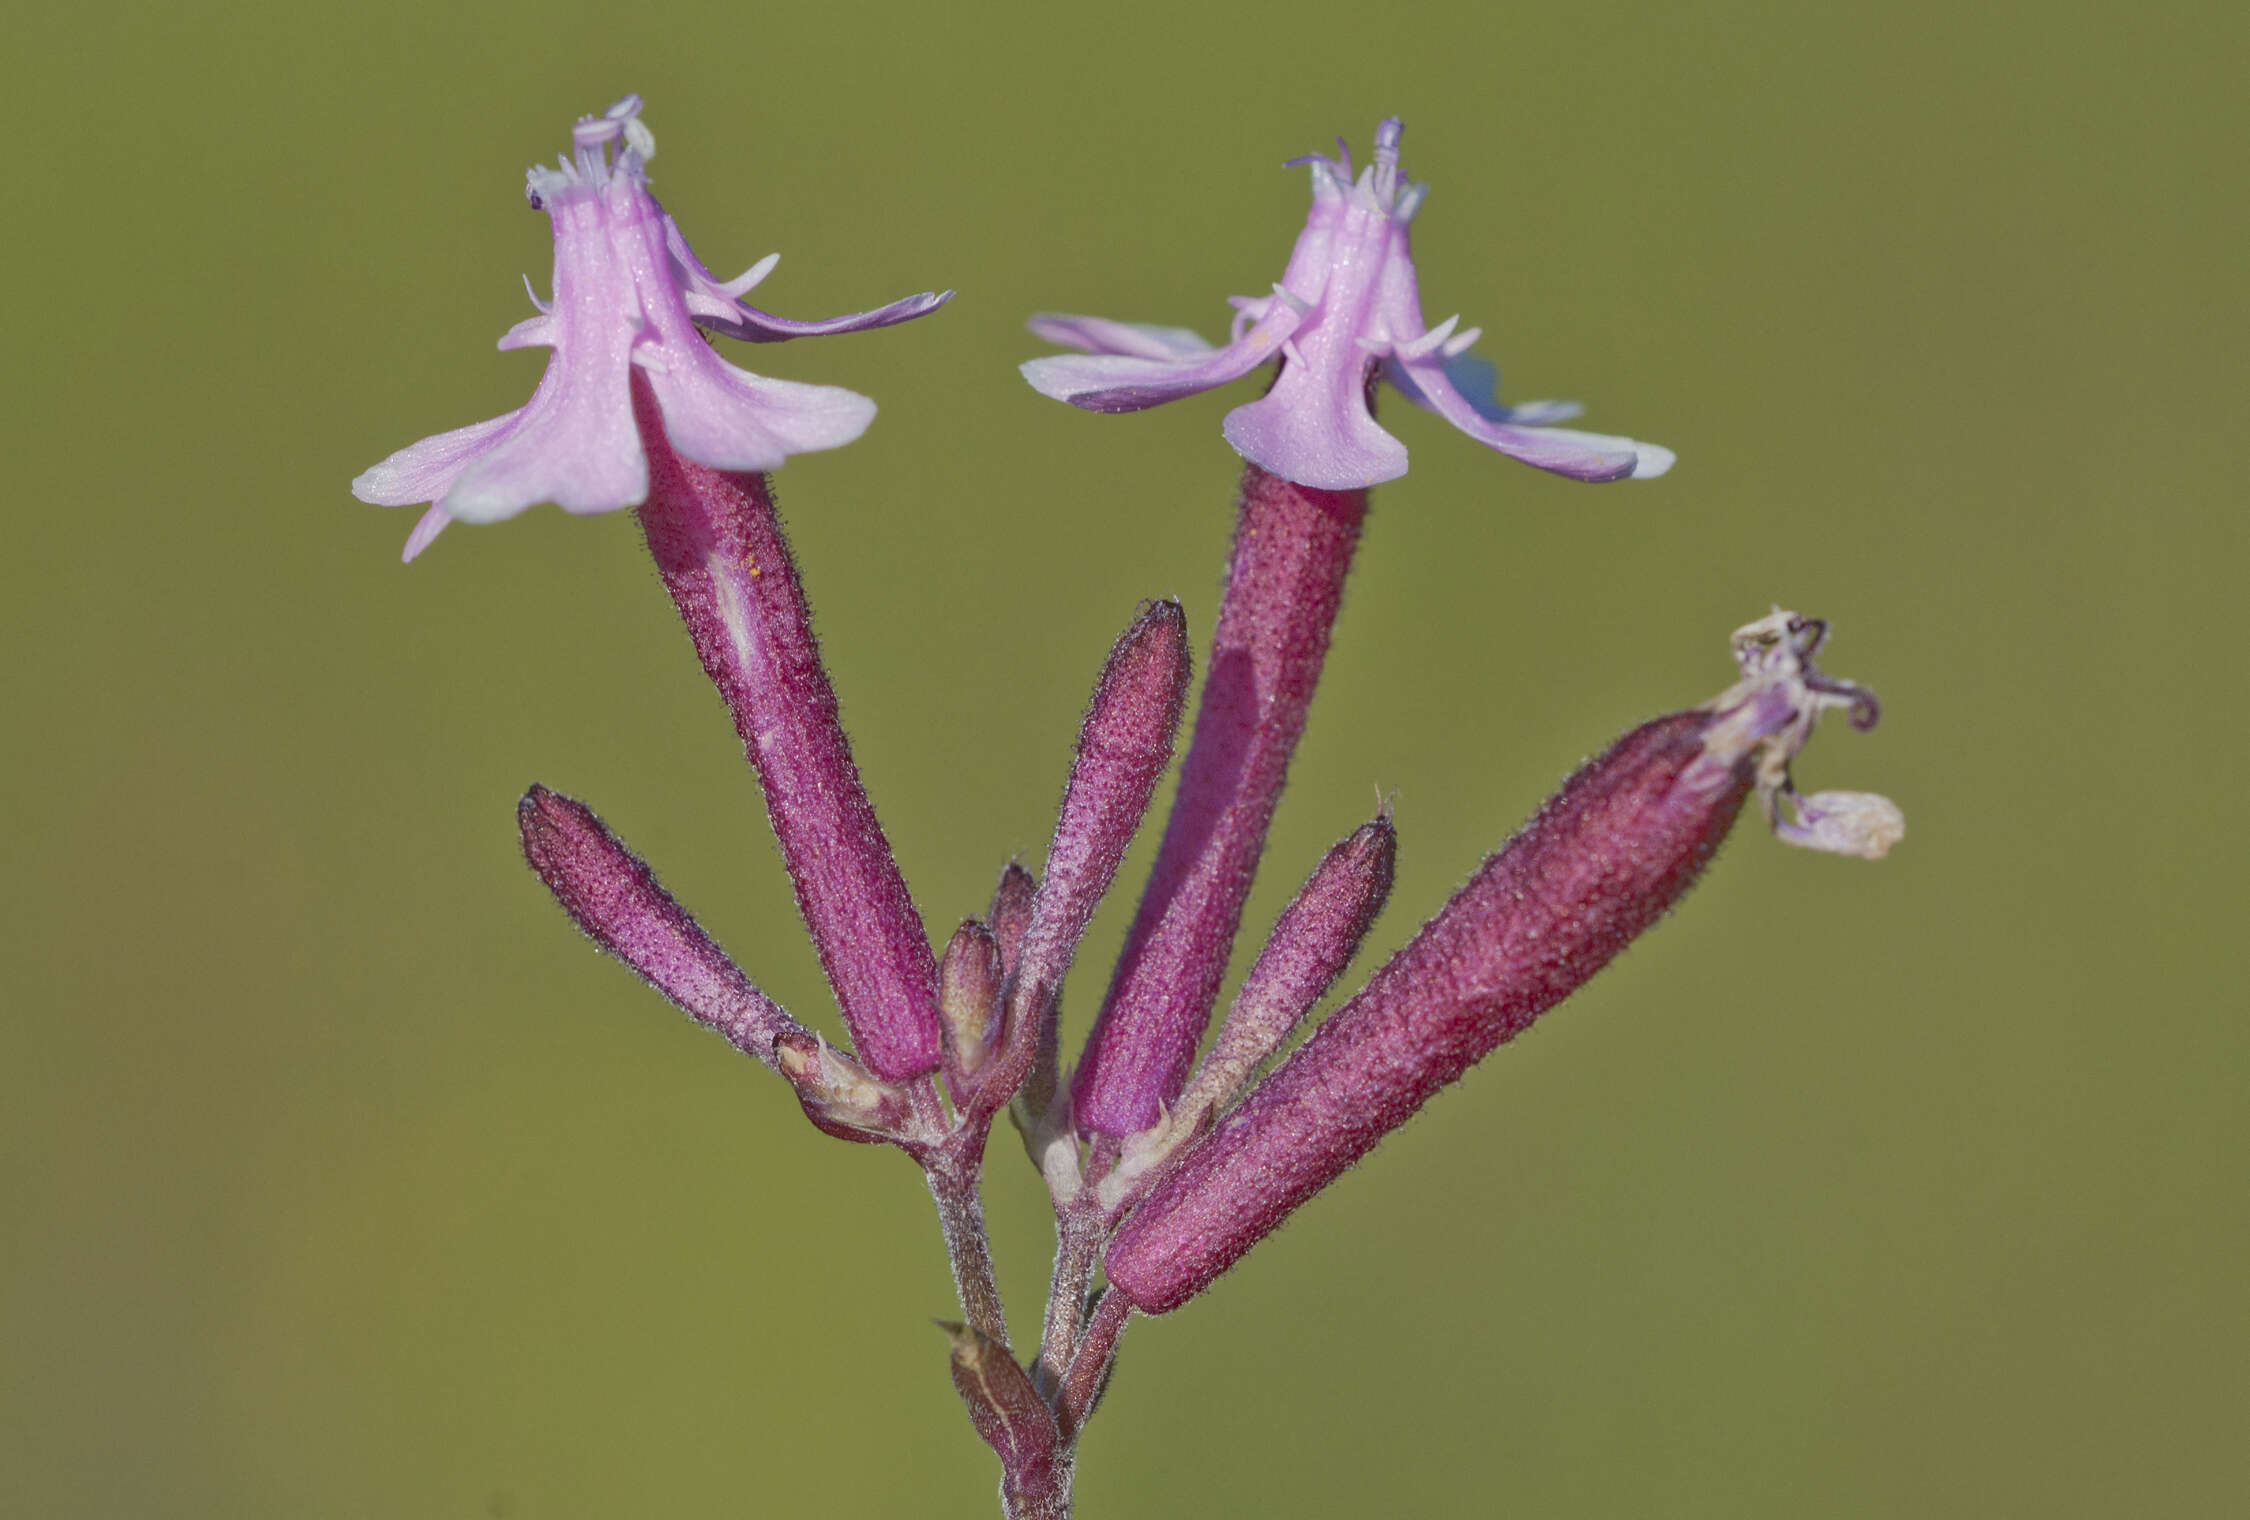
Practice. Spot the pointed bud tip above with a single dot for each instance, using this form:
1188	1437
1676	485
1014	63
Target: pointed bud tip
970	976
1163	609
1010	914
552	826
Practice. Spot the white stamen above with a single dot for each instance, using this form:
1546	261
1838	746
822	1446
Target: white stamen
750	277
544	184
1459	342
1246	311
592	131
1409	202
1377	346
1289	351
588	164
545	307
1386	159
1296	303
1430	340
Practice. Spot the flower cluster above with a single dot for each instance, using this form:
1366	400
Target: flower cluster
1163	1170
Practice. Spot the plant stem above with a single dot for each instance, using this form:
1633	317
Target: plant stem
1047	1500
953	1183
1089	1368
1079	1234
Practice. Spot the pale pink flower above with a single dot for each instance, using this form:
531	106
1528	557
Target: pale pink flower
628	294
1347	308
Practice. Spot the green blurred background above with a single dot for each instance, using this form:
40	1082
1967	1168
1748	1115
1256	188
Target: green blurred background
339	1178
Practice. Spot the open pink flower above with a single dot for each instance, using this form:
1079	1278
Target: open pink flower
1346	304
627	291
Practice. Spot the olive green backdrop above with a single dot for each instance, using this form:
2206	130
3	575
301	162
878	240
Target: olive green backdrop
339	1178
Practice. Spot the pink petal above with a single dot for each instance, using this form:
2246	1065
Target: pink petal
575	444
730	419
1313	428
1126	383
1138	340
425	471
1581	456
426	528
1478	380
714	413
715	307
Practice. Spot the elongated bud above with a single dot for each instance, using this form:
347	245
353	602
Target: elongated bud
1602	861
1003	1406
617	901
1124	743
1315	939
969	980
1010	915
841	1096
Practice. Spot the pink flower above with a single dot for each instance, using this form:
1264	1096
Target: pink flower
628	291
1346	307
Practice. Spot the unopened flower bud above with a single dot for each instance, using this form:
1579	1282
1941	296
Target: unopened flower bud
1010	914
969	1000
1124	743
1608	854
1315	939
617	901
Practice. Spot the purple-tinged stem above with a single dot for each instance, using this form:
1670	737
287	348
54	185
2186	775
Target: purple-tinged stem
616	899
1010	914
1601	862
1091	1365
1292	549
1124	743
1080	1233
1047	1498
719	546
961	1217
